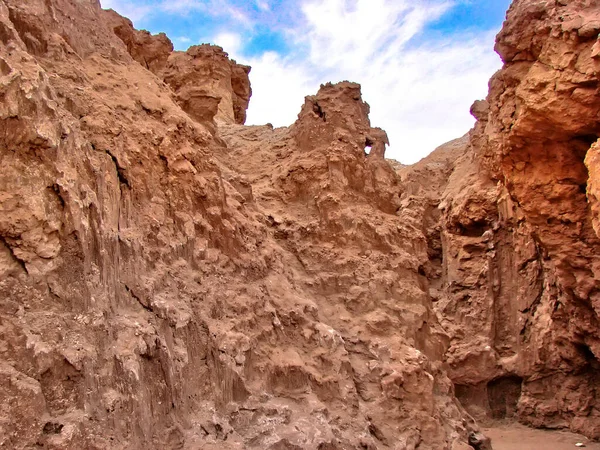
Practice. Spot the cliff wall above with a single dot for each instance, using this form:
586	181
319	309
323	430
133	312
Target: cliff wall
165	283
170	278
513	248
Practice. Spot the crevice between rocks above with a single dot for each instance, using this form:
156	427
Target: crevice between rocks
18	260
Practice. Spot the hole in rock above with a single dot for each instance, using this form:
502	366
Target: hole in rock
319	111
474	229
579	145
588	355
368	144
503	396
586	139
52	428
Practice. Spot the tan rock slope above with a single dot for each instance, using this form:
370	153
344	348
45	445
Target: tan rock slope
170	278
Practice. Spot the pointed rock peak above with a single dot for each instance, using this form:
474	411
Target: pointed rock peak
337	113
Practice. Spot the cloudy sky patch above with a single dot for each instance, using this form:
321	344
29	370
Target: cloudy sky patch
421	63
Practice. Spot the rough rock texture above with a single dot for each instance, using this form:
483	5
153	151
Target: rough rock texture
204	73
592	162
161	290
485	273
542	120
206	82
515	265
172	279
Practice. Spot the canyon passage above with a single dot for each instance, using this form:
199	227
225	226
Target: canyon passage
171	278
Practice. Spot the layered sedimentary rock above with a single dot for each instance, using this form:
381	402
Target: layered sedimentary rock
161	290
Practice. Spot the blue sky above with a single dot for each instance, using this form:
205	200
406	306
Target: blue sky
421	62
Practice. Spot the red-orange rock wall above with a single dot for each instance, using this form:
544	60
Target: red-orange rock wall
518	290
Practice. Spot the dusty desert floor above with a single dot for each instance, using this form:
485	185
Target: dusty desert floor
518	437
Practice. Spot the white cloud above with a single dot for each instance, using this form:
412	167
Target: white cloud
213	8
263	5
131	10
278	89
231	43
419	94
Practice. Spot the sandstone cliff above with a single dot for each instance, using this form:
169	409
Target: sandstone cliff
161	289
170	278
513	252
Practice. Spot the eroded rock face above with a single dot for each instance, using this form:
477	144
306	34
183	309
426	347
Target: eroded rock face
205	72
159	290
172	279
542	121
517	285
333	208
206	82
151	51
485	273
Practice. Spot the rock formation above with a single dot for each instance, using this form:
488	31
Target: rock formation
171	278
513	252
160	289
542	120
207	84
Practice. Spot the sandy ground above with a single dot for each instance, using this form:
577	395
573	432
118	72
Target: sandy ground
518	437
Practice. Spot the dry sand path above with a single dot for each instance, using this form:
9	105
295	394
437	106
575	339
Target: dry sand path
518	437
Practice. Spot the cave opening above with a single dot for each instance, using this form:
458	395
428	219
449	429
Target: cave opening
503	396
473	229
592	362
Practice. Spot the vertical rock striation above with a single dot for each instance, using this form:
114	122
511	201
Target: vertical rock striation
159	289
518	284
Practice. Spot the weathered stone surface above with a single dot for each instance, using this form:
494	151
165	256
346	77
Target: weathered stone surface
543	119
151	51
172	279
161	290
592	162
206	82
205	72
515	266
357	257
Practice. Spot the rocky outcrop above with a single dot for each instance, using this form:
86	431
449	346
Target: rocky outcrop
161	290
207	84
205	75
485	273
151	51
333	209
514	255
542	121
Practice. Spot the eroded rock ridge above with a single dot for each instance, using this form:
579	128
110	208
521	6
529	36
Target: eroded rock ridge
171	278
